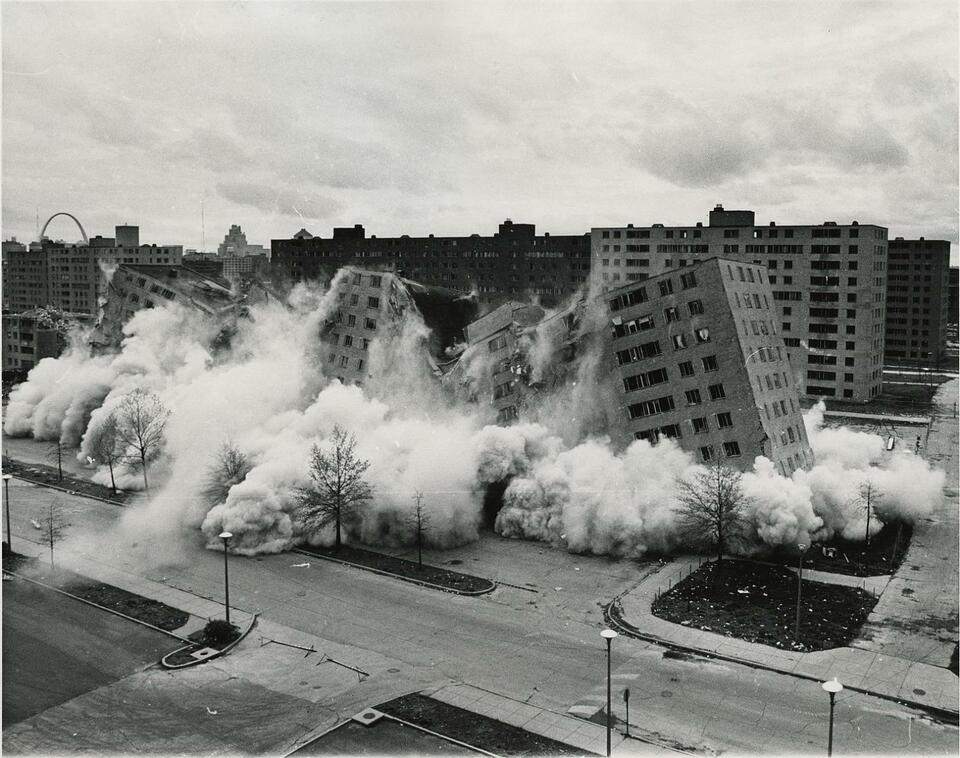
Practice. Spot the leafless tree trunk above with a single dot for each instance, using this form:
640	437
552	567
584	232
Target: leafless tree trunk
54	527
421	523
105	446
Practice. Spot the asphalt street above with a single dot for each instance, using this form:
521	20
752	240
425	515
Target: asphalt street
542	647
55	648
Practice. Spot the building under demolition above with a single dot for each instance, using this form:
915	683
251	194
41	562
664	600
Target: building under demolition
692	355
375	304
134	287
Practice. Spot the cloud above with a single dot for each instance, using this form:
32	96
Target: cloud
299	203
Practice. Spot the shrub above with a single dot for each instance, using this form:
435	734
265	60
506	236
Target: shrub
219	632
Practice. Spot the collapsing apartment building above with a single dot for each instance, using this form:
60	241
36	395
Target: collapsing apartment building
375	304
693	355
135	287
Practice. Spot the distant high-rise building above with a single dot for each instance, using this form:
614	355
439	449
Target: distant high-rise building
828	281
234	243
918	282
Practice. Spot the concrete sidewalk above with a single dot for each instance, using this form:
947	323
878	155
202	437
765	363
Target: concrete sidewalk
867	671
586	735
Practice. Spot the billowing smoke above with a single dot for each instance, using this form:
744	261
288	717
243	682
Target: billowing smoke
563	481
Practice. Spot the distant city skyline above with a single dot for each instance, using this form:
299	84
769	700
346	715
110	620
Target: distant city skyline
446	118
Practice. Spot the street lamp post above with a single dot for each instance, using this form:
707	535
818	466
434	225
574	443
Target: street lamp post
6	503
608	635
796	631
833	687
225	536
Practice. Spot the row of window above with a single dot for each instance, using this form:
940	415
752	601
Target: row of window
368	323
769	232
348	341
645	322
666	403
343	361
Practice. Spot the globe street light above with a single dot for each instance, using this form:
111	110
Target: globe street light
6	502
225	536
833	687
608	635
796	631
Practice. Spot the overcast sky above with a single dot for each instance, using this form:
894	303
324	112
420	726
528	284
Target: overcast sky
447	118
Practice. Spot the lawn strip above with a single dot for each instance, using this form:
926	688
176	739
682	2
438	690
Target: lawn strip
389	564
472	728
135	606
48	476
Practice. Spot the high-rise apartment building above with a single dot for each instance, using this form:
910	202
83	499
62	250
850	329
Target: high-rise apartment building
73	278
918	302
515	263
828	283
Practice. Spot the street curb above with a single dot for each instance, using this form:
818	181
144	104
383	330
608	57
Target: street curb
69	492
224	651
466	593
611	615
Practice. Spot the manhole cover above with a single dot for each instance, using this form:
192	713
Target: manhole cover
918	691
666	693
304	682
454	562
393	671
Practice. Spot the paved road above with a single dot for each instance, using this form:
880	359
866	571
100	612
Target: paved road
55	648
540	647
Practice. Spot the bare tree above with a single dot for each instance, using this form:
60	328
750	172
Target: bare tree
712	507
106	446
53	527
868	499
141	419
230	467
338	488
55	453
420	520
